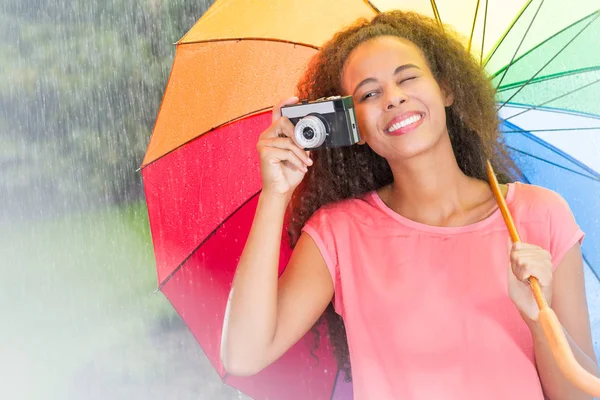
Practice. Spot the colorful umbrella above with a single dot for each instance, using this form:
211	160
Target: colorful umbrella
201	169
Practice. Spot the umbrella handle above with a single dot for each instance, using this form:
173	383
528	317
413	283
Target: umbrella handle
549	322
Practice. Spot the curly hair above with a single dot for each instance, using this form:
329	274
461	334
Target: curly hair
349	172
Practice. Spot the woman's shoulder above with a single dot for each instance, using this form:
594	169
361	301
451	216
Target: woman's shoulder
359	207
533	196
544	218
531	202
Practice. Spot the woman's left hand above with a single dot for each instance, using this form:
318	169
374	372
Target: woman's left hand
527	260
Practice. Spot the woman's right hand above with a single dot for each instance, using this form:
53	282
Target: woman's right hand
283	163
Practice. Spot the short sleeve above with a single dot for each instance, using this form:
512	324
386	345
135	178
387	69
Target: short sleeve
564	230
319	227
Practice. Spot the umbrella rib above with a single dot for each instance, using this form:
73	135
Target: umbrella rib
551	100
555	129
373	7
548	39
546	78
505	34
207	132
211	234
483	34
520	44
590	265
335	382
593	173
473	27
436	13
592	178
557	151
552	59
311	46
559	110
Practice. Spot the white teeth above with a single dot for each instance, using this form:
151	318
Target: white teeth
406	122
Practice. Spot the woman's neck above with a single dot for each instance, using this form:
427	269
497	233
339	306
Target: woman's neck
432	189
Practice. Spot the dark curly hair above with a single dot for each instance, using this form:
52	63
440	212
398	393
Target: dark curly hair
349	172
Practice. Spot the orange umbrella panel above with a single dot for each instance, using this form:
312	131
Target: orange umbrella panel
208	87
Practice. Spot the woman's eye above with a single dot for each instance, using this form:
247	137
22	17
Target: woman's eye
407	79
368	95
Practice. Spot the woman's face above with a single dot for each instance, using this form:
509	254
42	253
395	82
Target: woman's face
399	105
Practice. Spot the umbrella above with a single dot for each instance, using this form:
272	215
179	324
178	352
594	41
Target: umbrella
201	195
201	169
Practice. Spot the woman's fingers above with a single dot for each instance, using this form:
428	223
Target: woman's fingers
287	130
277	109
282	127
286	143
542	273
529	260
277	155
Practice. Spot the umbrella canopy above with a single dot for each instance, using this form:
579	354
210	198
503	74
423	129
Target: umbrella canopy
201	174
548	101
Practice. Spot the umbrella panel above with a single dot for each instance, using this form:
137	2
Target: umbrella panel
539	20
307	22
214	83
189	192
561	71
199	292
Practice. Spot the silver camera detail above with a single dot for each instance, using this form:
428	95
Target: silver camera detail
327	122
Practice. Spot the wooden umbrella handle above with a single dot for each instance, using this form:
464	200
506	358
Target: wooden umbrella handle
549	322
514	235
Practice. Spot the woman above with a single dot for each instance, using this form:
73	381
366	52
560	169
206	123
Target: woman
402	234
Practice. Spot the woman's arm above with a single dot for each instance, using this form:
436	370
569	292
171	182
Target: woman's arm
266	315
570	305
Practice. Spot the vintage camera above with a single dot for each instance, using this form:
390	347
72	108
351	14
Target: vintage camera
326	122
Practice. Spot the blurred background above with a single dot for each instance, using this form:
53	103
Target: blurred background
80	86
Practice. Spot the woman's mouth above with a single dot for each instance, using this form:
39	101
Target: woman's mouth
405	124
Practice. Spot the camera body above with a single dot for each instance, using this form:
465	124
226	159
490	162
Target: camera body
327	122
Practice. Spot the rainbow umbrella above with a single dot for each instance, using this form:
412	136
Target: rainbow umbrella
201	174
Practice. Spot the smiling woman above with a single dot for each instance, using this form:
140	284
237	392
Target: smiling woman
397	233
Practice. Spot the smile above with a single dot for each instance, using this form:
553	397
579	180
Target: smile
407	122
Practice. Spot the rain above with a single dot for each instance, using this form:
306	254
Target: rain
81	85
80	89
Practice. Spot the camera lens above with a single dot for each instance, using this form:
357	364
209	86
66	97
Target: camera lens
308	133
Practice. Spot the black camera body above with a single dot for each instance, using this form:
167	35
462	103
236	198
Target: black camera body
328	122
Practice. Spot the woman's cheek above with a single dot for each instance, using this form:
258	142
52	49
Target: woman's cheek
363	123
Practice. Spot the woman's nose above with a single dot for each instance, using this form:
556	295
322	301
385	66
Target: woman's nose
395	97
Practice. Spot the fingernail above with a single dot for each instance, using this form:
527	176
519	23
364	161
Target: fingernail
309	161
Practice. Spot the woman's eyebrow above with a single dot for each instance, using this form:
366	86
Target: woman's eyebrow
372	80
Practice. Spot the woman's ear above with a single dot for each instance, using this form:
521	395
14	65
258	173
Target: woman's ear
447	93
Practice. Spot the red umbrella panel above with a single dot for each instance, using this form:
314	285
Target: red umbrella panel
202	185
201	174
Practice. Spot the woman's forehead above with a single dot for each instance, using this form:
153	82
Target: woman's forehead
380	53
383	47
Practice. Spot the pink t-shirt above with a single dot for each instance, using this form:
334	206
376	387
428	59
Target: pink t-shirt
426	308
